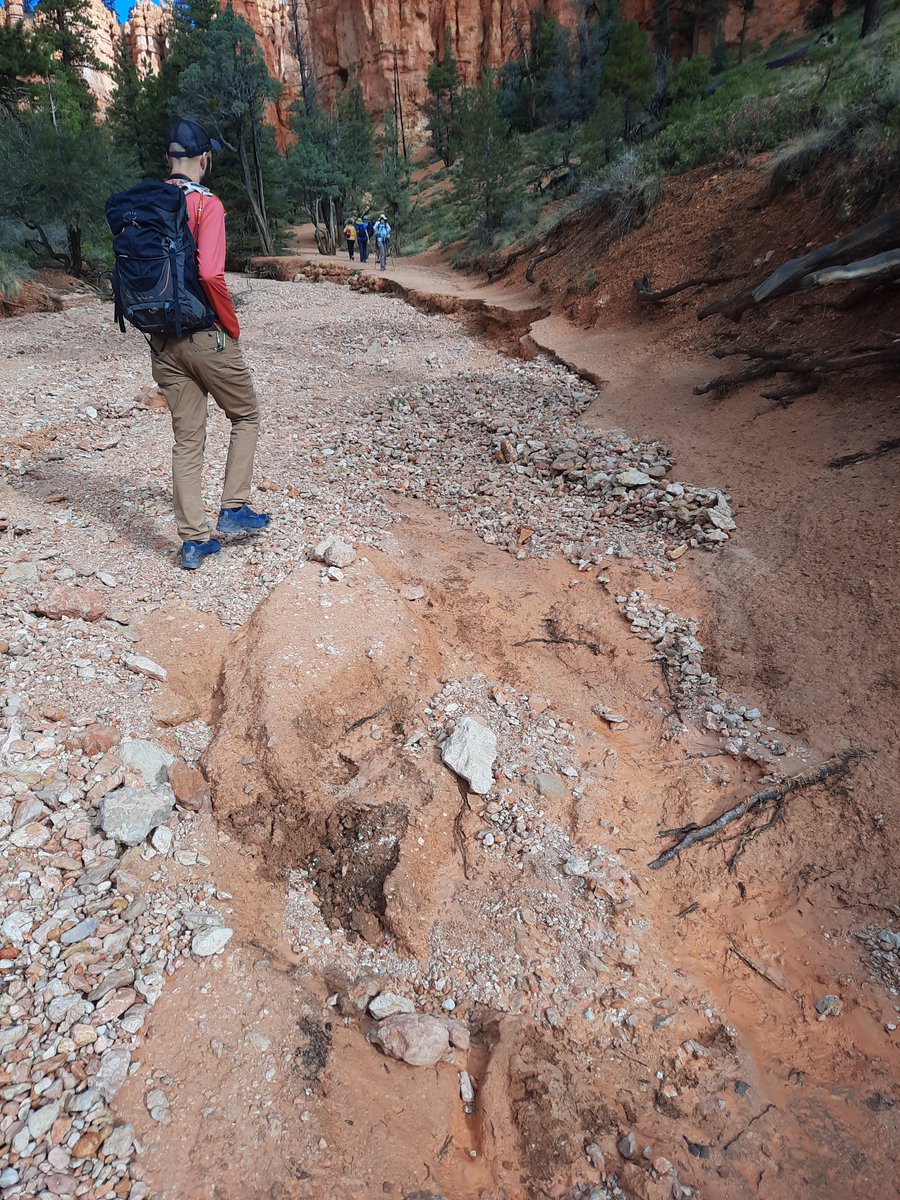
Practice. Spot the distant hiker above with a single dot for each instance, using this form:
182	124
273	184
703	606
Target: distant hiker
382	240
169	281
362	239
350	237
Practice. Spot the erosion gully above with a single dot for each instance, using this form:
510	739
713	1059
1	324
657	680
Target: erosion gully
634	1032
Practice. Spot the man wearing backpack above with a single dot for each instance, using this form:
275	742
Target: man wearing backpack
193	333
383	240
362	239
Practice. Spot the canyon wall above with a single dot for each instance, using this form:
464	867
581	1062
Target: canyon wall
360	38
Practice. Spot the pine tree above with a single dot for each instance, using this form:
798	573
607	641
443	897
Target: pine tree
132	117
229	86
601	131
393	180
629	71
22	58
356	139
487	183
65	27
442	108
871	17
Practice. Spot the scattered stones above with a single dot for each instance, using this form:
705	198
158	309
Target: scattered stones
471	751
130	814
416	1039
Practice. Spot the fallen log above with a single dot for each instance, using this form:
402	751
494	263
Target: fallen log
869	240
880	267
645	292
690	835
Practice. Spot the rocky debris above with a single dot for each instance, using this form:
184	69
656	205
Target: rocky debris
334	552
696	692
150	761
73	602
24	574
470	751
145	666
388	1004
416	1039
130	814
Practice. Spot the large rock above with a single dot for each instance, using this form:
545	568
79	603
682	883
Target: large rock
72	602
416	1039
131	814
149	760
470	751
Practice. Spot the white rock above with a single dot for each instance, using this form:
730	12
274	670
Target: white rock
466	1088
41	1119
334	552
633	478
16	925
23	572
145	666
130	814
162	839
388	1004
148	759
113	1072
471	751
212	940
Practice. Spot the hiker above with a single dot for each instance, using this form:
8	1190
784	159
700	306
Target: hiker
193	335
382	240
350	237
362	239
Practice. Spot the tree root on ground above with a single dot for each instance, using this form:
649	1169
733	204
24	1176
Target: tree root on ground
691	835
809	365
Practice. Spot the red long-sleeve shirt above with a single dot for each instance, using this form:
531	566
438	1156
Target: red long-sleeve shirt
206	221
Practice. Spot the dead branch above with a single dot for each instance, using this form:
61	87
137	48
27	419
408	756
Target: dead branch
690	835
848	460
784	397
732	949
645	292
556	637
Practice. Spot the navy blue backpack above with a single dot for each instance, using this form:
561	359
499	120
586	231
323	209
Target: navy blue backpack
155	280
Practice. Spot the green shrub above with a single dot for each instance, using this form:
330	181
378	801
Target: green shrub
624	195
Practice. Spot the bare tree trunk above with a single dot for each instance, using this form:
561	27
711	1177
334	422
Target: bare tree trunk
746	7
262	228
871	17
307	84
258	175
73	236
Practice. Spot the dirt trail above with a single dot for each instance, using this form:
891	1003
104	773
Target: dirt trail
601	998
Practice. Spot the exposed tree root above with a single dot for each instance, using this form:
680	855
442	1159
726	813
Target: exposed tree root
645	292
690	835
810	365
848	460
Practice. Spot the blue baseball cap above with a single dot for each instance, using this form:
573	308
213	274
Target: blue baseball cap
188	139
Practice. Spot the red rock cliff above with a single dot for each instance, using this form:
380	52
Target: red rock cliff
358	38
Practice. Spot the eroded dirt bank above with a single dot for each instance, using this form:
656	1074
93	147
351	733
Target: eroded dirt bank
647	1033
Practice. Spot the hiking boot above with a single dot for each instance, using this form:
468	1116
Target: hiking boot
242	520
193	553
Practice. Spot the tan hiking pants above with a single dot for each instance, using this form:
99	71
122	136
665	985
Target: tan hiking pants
186	369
